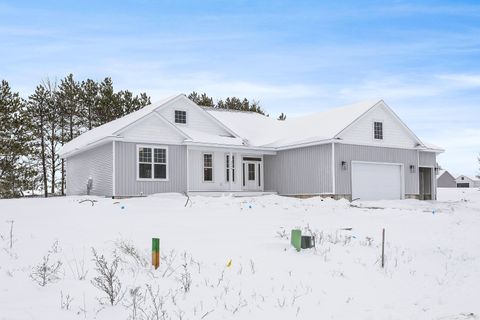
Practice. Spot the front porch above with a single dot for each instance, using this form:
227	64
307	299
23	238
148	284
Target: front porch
217	171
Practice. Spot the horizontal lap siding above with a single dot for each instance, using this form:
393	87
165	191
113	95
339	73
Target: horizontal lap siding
349	153
427	159
126	183
300	171
95	163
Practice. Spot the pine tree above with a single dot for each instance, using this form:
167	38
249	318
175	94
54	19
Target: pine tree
37	104
89	102
15	143
108	107
230	103
282	117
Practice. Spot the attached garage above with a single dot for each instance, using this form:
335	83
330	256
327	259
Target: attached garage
377	181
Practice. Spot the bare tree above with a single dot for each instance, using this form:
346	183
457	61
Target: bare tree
107	279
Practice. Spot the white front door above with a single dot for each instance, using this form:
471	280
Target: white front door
252	176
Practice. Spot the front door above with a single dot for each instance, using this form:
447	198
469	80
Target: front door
425	180
252	176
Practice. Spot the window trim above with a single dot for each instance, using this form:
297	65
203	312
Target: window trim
174	117
373	130
203	167
151	146
230	167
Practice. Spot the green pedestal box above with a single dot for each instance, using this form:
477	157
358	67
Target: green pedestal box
296	239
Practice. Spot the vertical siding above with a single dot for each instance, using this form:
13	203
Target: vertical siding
95	163
349	153
126	183
446	180
427	159
300	171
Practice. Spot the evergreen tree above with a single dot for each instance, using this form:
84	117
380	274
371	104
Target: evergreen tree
282	117
230	103
201	100
108	107
15	143
37	104
89	97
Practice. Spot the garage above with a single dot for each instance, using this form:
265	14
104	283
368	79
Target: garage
376	181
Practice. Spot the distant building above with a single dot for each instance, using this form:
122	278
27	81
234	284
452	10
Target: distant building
467	182
446	180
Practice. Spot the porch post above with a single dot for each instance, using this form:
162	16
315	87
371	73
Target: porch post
231	170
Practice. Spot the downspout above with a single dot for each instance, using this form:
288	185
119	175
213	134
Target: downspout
333	168
188	171
113	169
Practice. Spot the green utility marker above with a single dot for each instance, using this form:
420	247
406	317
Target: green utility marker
156	252
296	239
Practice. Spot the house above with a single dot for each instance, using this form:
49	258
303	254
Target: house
446	180
467	182
361	151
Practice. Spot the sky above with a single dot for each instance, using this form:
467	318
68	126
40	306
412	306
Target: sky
421	57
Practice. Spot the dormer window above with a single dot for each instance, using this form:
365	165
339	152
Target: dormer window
180	116
378	130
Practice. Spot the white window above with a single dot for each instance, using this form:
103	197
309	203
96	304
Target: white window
378	130
152	163
180	116
230	167
207	167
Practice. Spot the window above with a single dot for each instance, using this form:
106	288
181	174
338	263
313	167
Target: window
251	171
207	167
152	163
230	166
180	116
378	130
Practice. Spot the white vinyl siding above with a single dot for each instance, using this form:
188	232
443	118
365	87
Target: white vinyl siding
394	133
95	163
198	119
152	129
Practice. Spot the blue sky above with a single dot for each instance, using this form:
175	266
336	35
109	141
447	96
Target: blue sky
422	58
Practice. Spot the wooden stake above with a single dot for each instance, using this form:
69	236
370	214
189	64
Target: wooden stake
156	252
383	247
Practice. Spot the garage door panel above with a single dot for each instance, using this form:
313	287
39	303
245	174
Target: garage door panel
376	181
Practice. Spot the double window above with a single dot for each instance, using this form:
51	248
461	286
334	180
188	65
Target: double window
230	167
378	130
180	116
152	163
207	167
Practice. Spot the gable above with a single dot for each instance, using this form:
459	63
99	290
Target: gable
197	118
152	128
394	132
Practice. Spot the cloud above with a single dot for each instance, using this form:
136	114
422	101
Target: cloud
461	80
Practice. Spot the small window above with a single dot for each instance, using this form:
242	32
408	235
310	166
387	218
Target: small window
180	116
378	130
230	167
207	167
152	163
251	171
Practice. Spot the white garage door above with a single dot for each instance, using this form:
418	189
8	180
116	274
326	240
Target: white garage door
376	181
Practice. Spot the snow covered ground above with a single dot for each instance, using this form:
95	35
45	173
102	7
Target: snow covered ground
432	258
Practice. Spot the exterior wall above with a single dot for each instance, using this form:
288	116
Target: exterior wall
349	153
197	118
219	183
95	163
446	180
428	159
394	134
305	170
126	183
152	128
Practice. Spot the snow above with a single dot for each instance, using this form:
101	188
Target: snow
432	266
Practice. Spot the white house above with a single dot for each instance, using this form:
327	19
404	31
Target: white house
363	151
467	182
